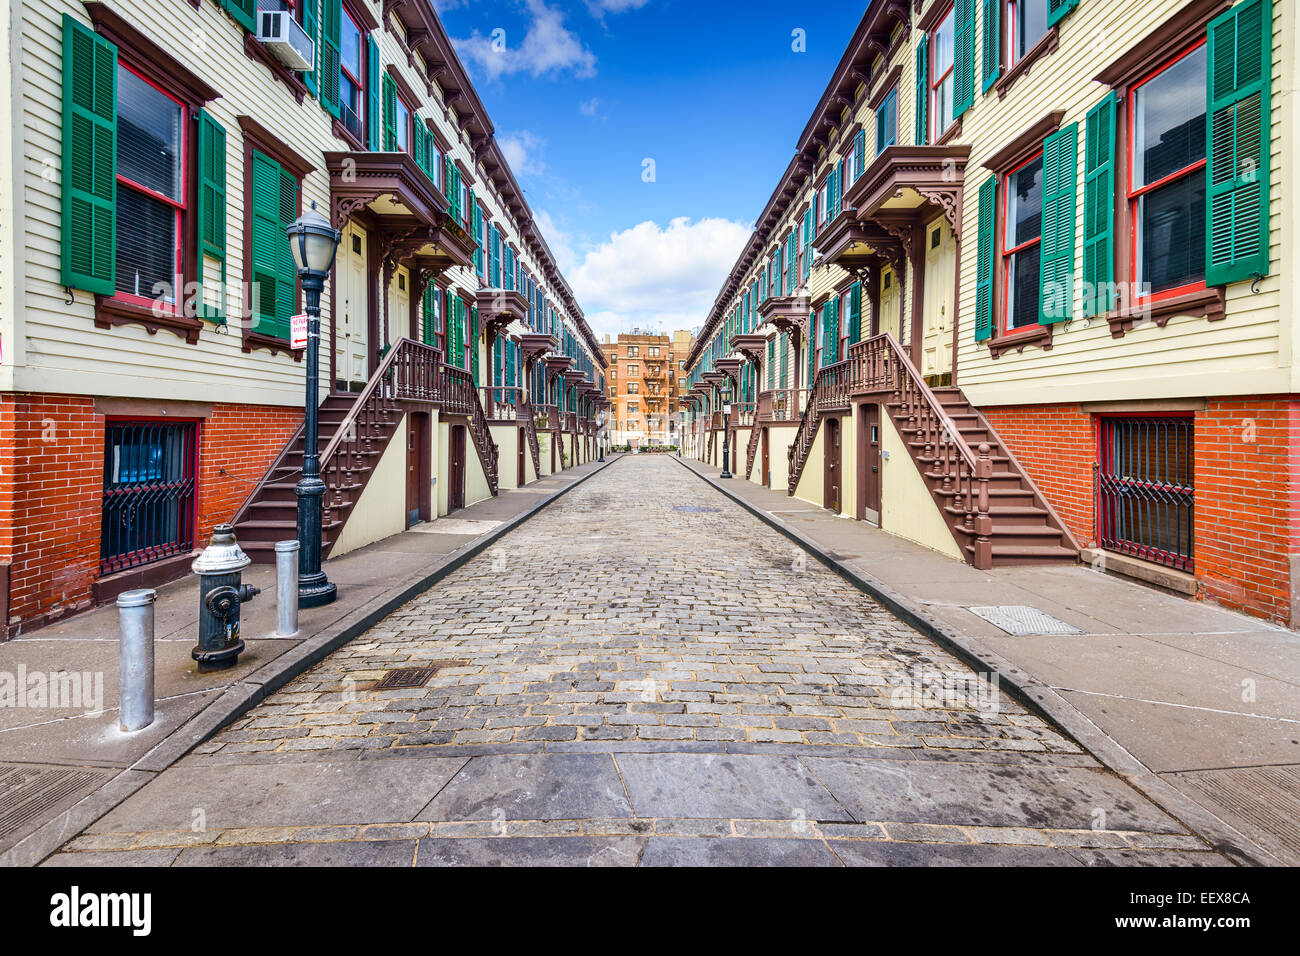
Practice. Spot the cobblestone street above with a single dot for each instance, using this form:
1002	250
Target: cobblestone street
643	673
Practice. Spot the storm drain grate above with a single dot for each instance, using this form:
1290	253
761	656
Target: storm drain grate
1020	620
405	677
696	509
28	793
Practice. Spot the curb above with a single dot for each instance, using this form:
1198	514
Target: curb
239	698
1034	694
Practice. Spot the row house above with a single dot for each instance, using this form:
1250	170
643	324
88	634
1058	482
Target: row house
1023	296
150	387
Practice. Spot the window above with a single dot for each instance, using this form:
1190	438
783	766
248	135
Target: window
1022	234
150	190
1166	189
352	86
942	49
1028	22
632	388
822	199
402	126
887	122
633	369
149	493
843	312
654	351
1144	491
682	366
632	352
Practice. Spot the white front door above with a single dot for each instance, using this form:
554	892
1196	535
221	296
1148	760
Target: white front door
940	258
891	305
351	338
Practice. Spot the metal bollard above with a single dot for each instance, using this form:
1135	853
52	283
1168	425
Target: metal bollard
135	612
286	588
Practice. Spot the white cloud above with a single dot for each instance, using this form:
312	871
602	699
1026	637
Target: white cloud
649	276
548	48
590	107
523	152
600	7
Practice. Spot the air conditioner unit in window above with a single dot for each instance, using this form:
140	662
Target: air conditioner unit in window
286	40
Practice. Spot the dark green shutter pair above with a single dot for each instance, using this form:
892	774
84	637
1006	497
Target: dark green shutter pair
88	251
274	278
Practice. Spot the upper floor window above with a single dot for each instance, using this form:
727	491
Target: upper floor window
1028	22
942	50
150	190
1022	235
822	200
634	369
1166	189
631	351
352	84
654	351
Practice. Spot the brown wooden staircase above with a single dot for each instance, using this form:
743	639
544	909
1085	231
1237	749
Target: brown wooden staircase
354	431
996	514
529	418
751	452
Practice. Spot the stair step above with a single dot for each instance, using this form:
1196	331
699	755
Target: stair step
1005	555
1003	512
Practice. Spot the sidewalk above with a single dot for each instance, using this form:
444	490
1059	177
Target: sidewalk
1170	692
60	768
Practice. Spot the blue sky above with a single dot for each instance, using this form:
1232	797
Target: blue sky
585	91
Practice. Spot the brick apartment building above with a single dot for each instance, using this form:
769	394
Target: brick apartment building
646	371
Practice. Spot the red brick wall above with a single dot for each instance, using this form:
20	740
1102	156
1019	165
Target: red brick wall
1247	481
51	486
1056	444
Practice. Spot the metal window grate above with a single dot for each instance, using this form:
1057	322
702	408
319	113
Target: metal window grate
149	493
1144	488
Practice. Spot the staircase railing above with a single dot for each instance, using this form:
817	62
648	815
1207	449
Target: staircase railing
529	418
462	399
880	364
501	403
410	372
761	414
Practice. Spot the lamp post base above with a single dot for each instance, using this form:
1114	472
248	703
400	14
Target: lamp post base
317	591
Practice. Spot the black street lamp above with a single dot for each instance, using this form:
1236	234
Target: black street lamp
726	429
313	244
600	434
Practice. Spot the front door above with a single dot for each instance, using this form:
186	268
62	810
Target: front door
832	483
417	469
767	462
869	485
891	311
352	312
936	340
523	441
456	490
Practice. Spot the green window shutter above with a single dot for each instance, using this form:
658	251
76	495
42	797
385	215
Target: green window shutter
417	146
1056	262
1238	132
211	210
771	363
859	153
427	306
807	244
390	114
1099	207
992	51
331	42
855	313
473	345
812	350
374	131
783	374
1057	9
244	12
963	68
89	201
984	266
922	97
272	298
310	18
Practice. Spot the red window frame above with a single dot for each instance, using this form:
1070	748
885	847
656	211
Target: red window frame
179	206
1005	254
1133	196
1012	12
362	53
932	114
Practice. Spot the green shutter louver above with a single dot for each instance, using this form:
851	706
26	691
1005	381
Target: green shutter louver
771	363
922	92
89	200
244	12
419	136
963	67
1099	208
807	244
211	212
1057	9
374	131
855	313
1238	133
428	315
859	153
310	24
331	43
473	345
390	114
274	279
1056	259
984	266
992	47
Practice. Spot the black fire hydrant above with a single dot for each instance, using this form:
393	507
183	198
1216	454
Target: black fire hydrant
221	593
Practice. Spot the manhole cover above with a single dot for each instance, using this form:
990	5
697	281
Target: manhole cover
1020	620
696	509
28	793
